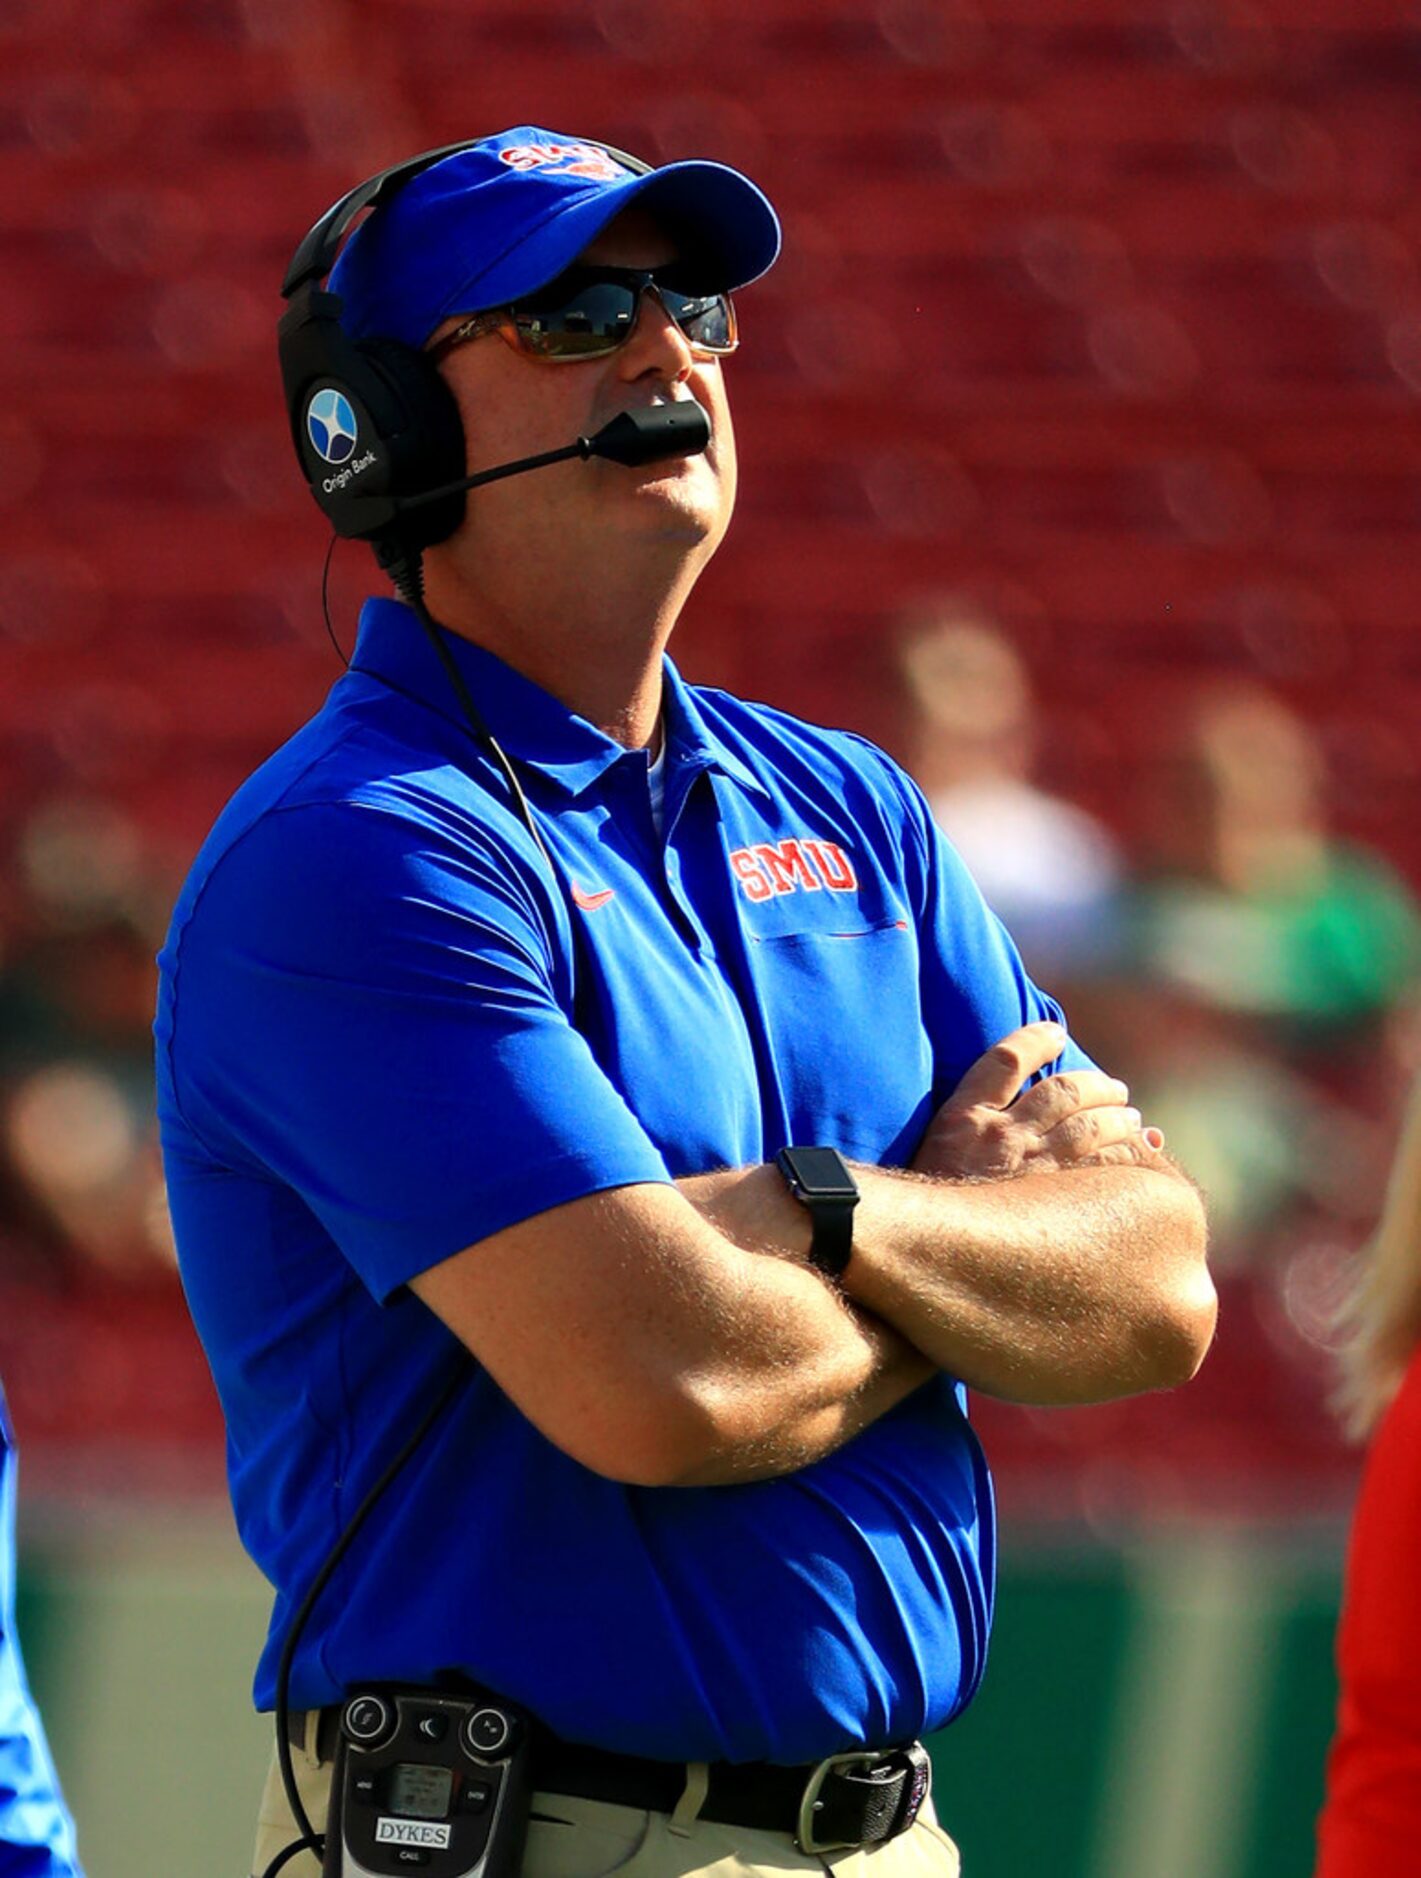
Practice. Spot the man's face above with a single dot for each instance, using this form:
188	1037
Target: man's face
562	524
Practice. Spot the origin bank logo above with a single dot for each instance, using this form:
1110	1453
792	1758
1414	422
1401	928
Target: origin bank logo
330	424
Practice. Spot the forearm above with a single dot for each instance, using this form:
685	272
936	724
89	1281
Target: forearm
1073	1286
762	1433
653	1347
1042	1249
812	1369
1078	1285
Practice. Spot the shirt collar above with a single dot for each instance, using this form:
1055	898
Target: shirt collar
690	740
530	724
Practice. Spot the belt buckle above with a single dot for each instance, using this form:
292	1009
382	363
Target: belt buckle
804	1837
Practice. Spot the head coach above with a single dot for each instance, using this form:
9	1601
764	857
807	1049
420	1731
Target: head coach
602	1121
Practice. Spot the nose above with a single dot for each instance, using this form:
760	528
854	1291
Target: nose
657	344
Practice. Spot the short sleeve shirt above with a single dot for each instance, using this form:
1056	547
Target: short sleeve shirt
388	1028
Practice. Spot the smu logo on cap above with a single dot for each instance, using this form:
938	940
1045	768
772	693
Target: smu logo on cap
330	424
564	159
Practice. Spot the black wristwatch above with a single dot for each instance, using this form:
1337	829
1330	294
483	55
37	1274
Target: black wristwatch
820	1178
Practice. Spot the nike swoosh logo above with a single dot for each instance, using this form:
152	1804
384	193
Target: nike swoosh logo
589	902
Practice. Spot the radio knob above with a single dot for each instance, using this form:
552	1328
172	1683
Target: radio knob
487	1732
367	1720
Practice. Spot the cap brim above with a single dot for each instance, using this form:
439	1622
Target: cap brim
718	218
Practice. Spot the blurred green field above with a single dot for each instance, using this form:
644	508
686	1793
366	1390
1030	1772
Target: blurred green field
1156	1708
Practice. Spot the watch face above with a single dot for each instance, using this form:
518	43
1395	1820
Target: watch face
822	1174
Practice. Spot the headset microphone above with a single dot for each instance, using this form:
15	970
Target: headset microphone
648	435
633	437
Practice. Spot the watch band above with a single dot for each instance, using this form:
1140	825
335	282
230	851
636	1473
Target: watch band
833	1243
830	1202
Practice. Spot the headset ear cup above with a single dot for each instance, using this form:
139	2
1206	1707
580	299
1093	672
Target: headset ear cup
426	442
372	422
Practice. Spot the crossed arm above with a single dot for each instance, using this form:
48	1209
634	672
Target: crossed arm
1040	1249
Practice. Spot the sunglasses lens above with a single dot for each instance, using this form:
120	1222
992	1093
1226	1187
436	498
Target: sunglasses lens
705	319
579	322
579	316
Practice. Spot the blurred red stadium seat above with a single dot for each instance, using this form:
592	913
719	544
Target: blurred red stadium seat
1110	315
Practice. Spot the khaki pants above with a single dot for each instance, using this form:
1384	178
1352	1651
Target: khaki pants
572	1838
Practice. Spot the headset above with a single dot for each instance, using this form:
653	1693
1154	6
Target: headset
398	412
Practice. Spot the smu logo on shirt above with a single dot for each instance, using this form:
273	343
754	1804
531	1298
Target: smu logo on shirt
799	865
564	159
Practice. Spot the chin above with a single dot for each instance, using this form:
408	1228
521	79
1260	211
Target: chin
681	498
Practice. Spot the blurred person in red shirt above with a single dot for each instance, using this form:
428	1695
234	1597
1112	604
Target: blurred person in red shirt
1371	1822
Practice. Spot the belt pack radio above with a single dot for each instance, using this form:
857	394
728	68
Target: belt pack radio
428	1780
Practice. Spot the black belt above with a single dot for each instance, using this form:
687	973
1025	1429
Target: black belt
860	1798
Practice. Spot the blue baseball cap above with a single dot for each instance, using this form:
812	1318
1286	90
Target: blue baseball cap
491	223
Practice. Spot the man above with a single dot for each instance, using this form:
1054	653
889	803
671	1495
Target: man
436	1075
36	1832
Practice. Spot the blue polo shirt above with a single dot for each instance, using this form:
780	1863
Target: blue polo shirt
386	1032
36	1833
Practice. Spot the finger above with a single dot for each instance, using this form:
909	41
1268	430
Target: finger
1053	1099
1087	1131
996	1077
1122	1154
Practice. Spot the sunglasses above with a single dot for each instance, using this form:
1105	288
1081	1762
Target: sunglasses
587	312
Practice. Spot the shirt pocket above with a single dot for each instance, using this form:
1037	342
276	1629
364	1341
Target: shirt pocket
843	1018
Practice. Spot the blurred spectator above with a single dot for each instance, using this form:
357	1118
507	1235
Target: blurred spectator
78	1150
1250	902
1049	870
1371	1823
1266	974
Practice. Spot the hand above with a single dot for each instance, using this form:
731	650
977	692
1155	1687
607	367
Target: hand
989	1130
